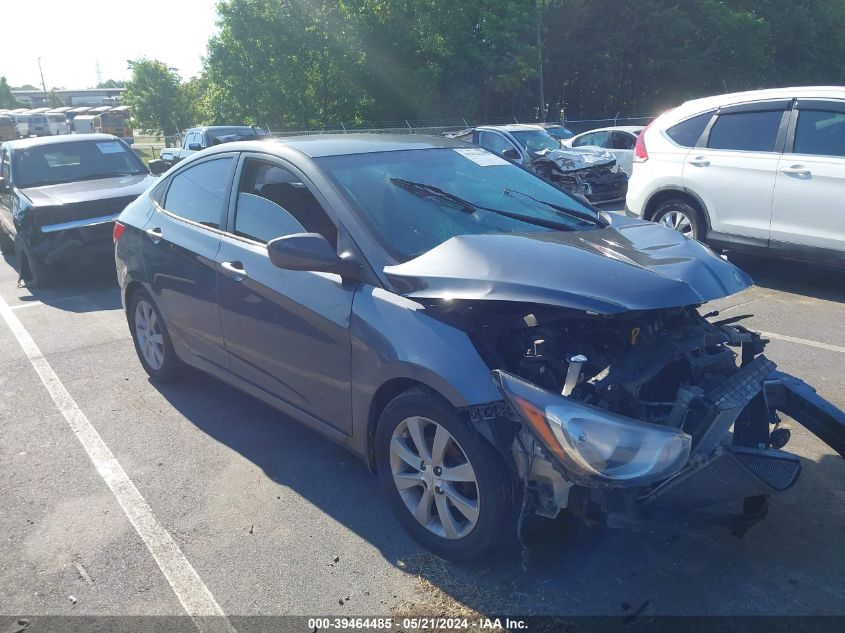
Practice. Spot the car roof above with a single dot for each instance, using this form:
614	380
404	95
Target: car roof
617	128
60	139
513	127
321	145
697	106
206	128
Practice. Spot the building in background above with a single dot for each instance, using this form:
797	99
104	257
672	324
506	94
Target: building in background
83	97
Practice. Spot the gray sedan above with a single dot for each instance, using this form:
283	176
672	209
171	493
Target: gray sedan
488	344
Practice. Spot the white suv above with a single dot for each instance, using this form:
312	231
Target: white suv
761	170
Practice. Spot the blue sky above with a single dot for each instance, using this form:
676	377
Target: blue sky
72	38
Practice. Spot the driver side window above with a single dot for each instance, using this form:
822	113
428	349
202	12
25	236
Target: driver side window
274	202
495	143
599	139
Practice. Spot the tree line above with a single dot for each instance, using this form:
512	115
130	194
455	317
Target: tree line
306	63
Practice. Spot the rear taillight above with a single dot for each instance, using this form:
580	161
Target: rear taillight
117	231
640	151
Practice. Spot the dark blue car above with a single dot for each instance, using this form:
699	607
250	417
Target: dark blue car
485	342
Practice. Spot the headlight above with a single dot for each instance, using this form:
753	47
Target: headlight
594	445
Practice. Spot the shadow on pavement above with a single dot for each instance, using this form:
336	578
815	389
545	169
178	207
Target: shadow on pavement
88	290
782	566
793	277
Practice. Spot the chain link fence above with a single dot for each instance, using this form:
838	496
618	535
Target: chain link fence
150	146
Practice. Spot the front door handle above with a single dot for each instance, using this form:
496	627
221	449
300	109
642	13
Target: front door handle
154	234
700	161
235	270
797	170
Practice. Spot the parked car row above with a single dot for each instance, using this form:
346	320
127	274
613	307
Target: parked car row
199	138
588	172
489	344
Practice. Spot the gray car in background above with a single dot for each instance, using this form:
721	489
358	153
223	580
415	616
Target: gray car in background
488	344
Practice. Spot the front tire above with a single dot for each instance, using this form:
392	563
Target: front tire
31	270
680	215
7	245
152	341
448	487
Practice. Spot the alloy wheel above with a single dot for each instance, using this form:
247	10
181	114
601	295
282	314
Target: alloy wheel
434	478
148	331
679	221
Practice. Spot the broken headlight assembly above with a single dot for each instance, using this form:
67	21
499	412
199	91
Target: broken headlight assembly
595	446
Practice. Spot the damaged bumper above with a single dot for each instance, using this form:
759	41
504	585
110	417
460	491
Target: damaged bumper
631	474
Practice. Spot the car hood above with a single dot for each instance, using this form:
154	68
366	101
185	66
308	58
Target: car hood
71	193
630	265
573	158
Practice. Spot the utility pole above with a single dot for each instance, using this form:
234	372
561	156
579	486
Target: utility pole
43	85
540	62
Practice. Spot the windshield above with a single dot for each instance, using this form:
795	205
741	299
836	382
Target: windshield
400	196
536	141
560	132
69	162
241	131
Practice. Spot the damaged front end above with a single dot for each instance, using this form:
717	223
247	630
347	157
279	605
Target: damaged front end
652	418
587	171
621	402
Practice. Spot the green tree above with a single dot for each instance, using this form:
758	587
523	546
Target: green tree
194	97
284	62
154	96
7	99
675	51
54	100
111	83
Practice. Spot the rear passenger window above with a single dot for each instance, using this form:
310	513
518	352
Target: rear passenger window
198	193
820	133
746	131
686	133
274	202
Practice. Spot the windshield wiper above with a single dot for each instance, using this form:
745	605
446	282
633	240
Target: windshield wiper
424	190
559	208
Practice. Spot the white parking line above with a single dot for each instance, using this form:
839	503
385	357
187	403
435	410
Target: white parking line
804	341
183	578
28	304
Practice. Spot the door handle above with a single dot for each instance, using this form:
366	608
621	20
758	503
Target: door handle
797	170
154	234
235	270
700	161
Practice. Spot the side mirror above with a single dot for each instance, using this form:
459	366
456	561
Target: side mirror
511	154
194	147
157	166
303	251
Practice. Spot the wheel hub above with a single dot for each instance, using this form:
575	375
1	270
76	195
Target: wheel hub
434	477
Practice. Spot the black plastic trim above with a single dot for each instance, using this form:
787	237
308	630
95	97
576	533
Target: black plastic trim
757	106
827	105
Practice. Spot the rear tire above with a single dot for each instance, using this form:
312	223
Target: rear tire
152	341
680	215
455	495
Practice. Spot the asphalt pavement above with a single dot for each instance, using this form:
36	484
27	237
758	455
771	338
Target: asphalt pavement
275	520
